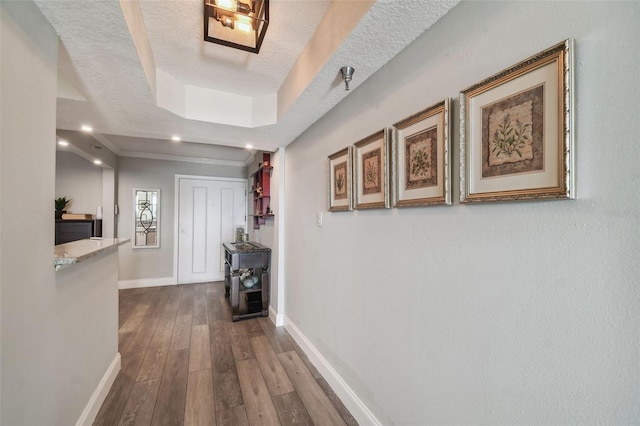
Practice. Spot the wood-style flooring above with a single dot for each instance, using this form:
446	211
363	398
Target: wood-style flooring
185	363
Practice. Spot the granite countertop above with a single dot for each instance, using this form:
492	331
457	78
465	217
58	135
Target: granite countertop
247	247
77	251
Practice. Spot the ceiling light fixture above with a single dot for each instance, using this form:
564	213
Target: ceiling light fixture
233	23
97	162
175	138
87	128
62	142
347	75
249	146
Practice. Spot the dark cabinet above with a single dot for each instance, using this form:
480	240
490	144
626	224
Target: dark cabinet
77	229
246	279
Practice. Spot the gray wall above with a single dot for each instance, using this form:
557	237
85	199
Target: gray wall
80	180
156	263
58	329
500	313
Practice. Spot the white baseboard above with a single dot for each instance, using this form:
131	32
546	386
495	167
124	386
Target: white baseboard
275	317
355	406
146	282
95	402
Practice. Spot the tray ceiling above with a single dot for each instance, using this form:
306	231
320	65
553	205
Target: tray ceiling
121	65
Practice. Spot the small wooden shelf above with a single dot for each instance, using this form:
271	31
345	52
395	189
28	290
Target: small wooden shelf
261	188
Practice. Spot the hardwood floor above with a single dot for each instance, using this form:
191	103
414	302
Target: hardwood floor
185	363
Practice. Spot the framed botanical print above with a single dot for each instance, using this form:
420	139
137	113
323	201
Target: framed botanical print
371	171
421	158
516	131
340	196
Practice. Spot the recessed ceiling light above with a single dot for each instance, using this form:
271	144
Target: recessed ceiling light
249	146
63	143
97	162
86	128
175	138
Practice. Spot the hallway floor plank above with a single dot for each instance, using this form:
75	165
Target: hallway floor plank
185	363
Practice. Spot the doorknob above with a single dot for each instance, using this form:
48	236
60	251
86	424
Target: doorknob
183	231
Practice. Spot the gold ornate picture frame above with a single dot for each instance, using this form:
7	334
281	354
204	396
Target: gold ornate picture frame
340	176
516	131
371	167
421	156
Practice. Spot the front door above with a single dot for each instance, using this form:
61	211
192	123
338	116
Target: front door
208	213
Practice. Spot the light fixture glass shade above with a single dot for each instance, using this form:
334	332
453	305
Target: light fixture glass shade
237	24
227	4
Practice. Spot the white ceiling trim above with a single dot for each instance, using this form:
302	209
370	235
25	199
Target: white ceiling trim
104	141
166	157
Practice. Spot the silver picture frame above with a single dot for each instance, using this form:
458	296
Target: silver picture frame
516	131
422	158
340	188
372	171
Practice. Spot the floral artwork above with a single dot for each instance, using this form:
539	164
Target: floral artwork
371	162
421	159
340	180
513	134
340	168
371	171
510	138
517	131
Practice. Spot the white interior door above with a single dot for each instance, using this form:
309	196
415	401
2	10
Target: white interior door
208	212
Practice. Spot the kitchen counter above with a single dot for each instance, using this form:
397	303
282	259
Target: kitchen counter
77	251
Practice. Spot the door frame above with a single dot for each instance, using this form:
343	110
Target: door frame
176	209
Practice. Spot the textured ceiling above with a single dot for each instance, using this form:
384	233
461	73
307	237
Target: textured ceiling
101	61
181	52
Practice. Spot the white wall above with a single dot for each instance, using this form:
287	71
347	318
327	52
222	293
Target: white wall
28	80
80	180
54	349
156	263
498	313
86	336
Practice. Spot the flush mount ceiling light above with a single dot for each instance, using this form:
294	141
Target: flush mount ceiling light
236	24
